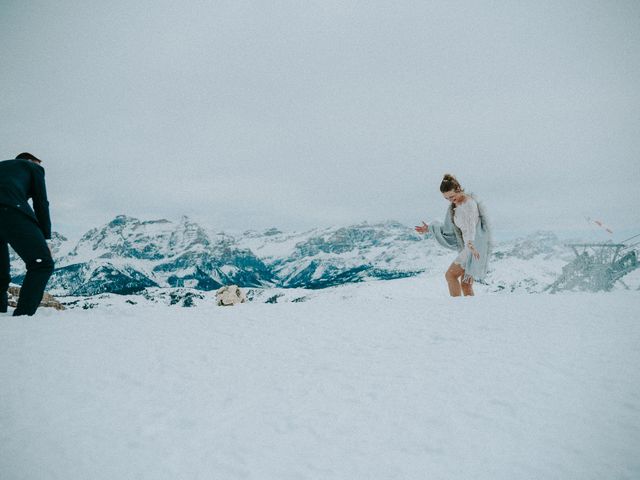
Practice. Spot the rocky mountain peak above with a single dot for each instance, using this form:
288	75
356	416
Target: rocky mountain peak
128	254
537	243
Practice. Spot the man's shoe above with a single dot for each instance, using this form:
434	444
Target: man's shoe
4	302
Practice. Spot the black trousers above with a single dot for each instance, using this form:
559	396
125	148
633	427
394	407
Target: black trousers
26	238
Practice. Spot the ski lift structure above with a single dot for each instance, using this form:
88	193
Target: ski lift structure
598	266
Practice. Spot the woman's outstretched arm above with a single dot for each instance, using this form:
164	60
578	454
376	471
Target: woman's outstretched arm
424	228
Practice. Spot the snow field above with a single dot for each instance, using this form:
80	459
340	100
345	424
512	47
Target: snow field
366	382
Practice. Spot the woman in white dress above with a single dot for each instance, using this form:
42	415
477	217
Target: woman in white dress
466	230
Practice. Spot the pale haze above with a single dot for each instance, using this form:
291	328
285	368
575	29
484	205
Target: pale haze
247	115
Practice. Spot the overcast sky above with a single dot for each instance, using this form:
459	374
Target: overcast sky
247	114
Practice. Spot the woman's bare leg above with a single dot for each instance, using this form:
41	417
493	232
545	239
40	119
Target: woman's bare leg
453	279
467	288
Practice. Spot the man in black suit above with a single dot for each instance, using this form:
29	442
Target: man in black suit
25	229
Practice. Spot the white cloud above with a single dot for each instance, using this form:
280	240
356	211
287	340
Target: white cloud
261	113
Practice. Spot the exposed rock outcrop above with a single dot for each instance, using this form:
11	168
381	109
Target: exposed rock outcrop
230	295
48	300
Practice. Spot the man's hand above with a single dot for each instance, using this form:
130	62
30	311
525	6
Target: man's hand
424	228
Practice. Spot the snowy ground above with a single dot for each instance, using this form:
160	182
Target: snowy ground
375	381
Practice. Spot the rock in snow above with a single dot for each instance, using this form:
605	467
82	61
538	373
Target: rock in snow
48	300
230	295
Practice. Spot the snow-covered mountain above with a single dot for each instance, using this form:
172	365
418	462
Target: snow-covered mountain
128	255
333	256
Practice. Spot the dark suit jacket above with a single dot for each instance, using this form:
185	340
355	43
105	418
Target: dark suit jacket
21	180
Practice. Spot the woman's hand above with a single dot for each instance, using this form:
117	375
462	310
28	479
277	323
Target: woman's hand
475	252
424	228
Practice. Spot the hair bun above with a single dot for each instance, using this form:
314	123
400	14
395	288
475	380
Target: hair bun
449	182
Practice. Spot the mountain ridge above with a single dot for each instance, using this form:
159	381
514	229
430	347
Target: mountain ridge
128	255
